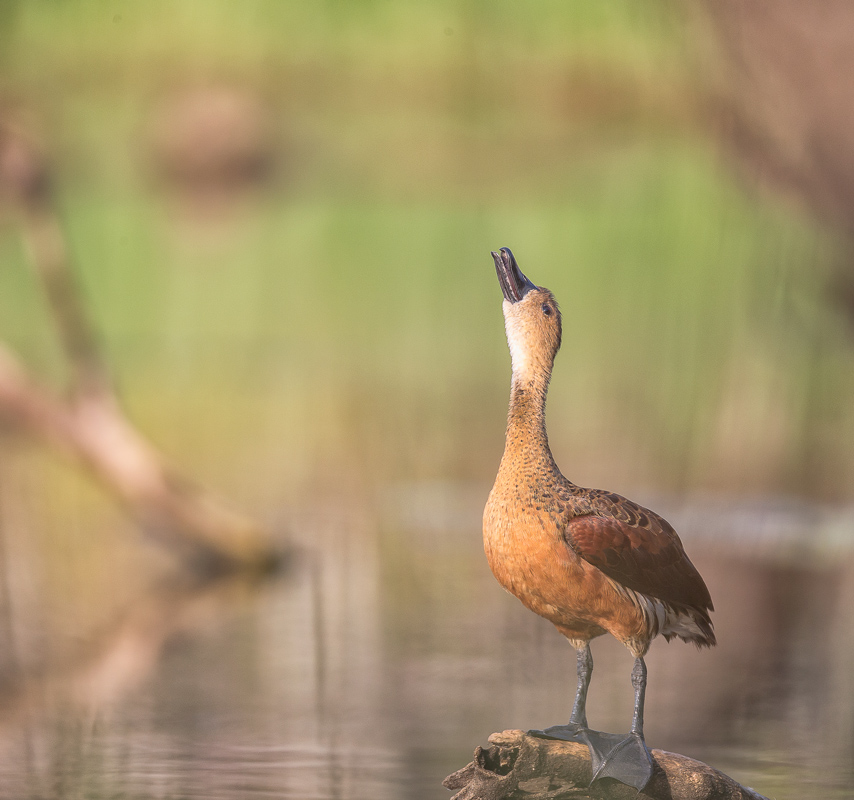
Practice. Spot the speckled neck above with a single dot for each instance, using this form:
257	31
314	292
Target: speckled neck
527	442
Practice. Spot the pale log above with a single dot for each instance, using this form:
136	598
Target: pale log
518	766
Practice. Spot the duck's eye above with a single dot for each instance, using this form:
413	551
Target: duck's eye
547	309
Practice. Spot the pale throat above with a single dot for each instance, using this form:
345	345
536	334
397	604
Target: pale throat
531	374
529	368
520	355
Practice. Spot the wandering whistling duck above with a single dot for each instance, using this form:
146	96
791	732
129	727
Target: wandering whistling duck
589	561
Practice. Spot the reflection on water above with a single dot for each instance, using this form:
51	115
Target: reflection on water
375	666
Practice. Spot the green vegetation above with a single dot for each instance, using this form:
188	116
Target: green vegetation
346	317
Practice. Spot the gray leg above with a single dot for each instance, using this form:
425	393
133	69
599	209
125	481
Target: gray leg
576	728
639	683
625	758
585	671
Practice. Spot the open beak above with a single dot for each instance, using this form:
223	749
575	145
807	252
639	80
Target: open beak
514	284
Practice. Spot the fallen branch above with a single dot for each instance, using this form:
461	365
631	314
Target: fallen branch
520	766
89	425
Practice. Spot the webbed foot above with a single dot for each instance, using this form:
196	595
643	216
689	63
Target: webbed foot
623	757
571	732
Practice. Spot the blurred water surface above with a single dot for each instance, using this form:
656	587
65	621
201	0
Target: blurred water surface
281	215
374	667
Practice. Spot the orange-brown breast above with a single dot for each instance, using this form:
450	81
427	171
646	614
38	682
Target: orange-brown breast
526	550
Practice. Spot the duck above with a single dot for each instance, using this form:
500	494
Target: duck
590	561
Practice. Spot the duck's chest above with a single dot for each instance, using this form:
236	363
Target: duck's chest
523	541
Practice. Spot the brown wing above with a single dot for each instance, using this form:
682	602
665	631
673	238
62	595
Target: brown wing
635	547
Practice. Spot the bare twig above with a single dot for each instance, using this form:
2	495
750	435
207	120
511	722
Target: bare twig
25	176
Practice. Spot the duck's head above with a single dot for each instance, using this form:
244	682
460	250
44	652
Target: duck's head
531	318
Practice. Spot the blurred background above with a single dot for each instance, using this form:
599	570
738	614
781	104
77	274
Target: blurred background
279	216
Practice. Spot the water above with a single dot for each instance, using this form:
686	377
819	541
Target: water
386	652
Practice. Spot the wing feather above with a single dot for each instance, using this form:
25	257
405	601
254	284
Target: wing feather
635	547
